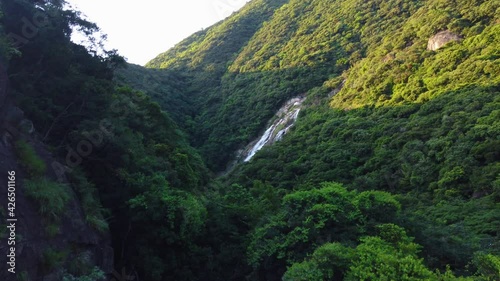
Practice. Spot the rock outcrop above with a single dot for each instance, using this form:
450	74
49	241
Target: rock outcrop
442	38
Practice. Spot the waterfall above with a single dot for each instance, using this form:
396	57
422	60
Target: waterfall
284	120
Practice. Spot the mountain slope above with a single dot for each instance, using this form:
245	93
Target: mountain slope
391	171
384	113
93	161
236	84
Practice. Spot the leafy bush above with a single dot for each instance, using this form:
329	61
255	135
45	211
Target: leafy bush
50	196
377	259
488	266
312	217
304	271
98	223
89	198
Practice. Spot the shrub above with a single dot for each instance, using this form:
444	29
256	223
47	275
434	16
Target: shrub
304	271
98	223
50	196
89	199
488	265
29	159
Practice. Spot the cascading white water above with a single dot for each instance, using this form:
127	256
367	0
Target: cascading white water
260	144
285	119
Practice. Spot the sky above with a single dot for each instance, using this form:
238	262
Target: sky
140	30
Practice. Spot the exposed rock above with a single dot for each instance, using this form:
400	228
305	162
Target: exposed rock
442	38
6	141
337	90
26	127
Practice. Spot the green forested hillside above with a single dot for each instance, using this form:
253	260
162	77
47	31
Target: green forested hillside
391	172
406	120
124	157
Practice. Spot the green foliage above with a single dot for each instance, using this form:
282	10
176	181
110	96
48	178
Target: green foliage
454	230
216	45
56	82
332	259
409	149
154	180
96	275
410	138
314	217
374	258
179	218
378	204
89	198
53	259
23	276
399	70
392	233
488	266
378	260
303	271
163	86
29	159
51	197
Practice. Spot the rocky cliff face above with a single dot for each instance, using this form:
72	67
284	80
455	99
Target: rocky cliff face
442	38
40	255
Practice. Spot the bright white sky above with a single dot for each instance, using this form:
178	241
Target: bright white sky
140	30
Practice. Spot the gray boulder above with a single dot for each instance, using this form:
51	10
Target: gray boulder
442	38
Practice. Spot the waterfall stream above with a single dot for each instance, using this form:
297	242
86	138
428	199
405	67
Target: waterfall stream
284	120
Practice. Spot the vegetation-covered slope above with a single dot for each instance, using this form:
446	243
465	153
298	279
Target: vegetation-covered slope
134	173
406	120
391	172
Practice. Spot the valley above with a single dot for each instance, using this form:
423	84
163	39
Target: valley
294	140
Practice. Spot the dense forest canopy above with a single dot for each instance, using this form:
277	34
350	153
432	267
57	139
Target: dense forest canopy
391	171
